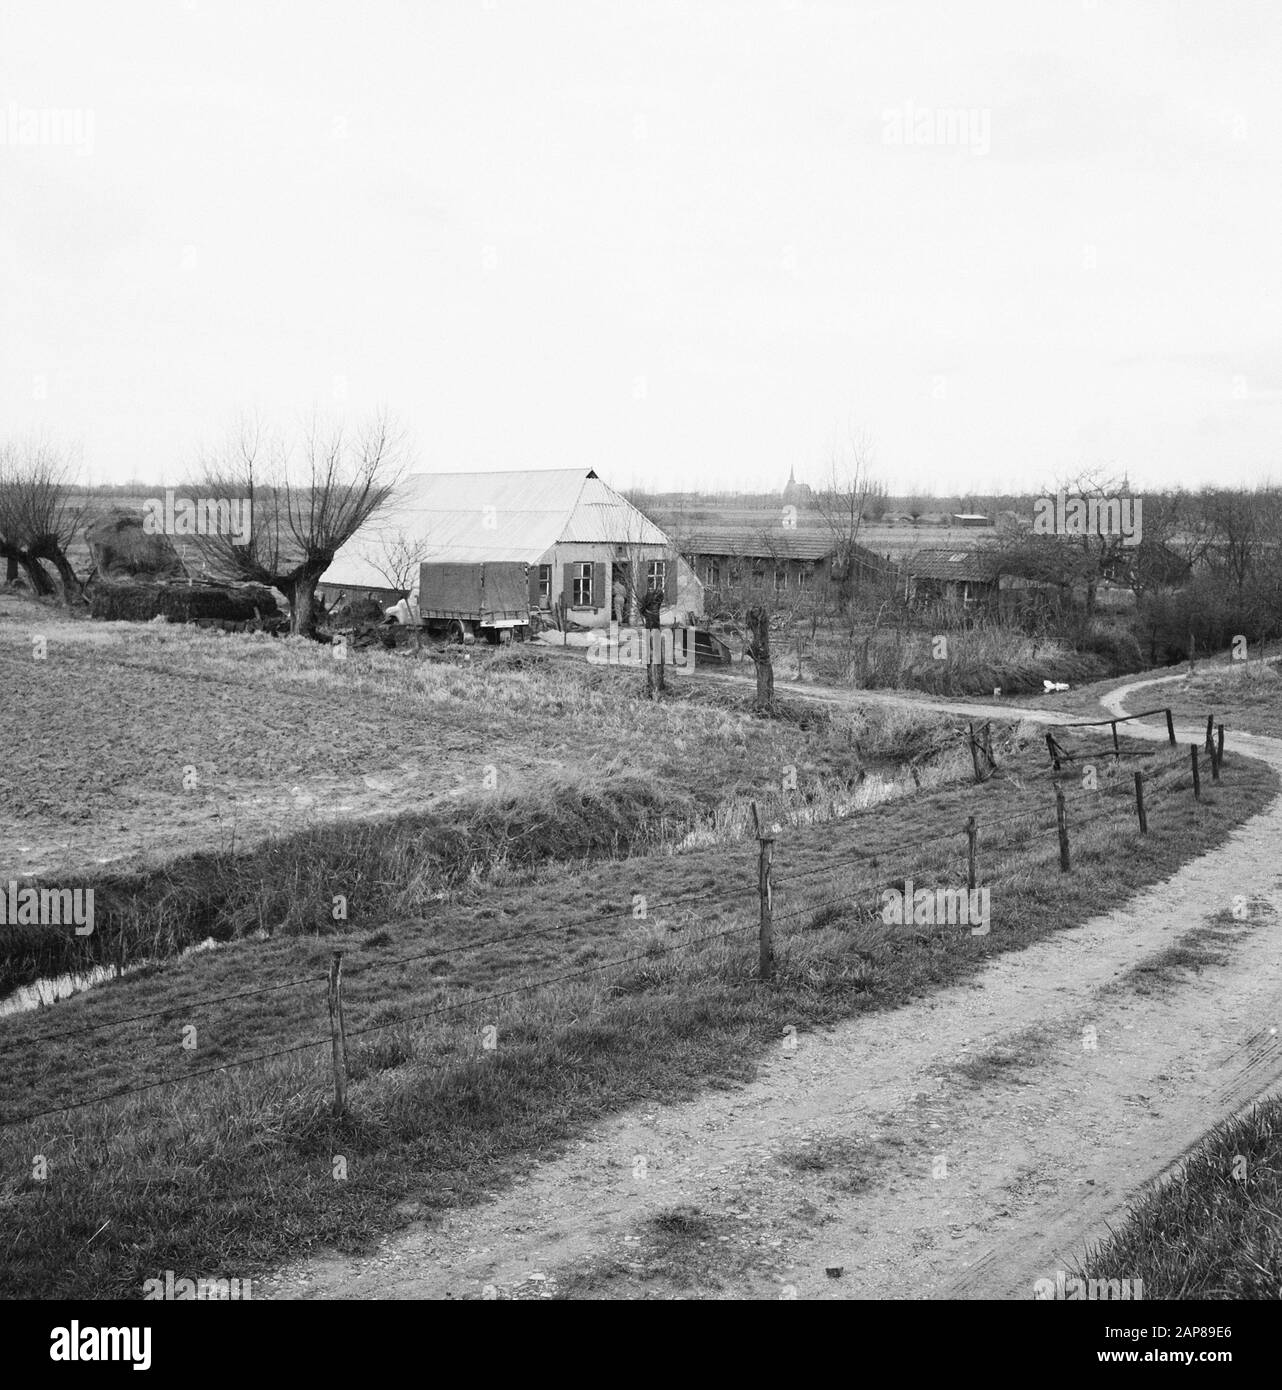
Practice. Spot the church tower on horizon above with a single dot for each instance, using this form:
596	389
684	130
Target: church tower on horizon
798	494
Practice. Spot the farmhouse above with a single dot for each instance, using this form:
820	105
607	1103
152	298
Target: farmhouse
577	537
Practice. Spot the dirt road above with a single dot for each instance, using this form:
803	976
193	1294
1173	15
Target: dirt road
964	1146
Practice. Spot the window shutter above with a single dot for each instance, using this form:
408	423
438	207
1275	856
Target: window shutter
670	582
567	587
600	596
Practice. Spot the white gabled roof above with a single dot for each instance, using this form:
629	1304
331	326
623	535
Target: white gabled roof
467	517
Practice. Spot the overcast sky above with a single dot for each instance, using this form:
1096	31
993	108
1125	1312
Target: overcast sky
687	244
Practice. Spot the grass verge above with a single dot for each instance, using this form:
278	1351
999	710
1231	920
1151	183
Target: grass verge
233	1171
1214	1229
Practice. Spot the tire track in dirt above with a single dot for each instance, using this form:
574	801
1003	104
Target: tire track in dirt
981	1135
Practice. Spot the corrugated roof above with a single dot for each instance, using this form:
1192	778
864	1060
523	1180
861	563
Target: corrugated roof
516	515
758	542
600	514
979	565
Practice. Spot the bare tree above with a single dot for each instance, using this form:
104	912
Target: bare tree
1101	555
758	620
397	558
38	521
304	503
1165	554
842	503
1237	527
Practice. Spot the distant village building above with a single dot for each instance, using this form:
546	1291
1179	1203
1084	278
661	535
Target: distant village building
796	494
575	535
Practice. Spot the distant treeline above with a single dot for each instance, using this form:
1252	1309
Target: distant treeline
139	492
879	503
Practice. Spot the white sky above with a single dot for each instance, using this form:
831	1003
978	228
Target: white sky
666	240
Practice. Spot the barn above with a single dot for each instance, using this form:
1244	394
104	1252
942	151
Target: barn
575	535
790	562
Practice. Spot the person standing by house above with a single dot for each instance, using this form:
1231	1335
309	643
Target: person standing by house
651	606
620	593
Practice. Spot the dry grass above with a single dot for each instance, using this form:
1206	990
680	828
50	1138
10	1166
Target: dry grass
1214	1229
1246	697
265	737
974	661
235	1170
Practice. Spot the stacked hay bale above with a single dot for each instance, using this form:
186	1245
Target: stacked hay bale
355	613
139	576
183	603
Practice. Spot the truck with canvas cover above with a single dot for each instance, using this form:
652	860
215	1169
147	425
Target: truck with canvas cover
463	601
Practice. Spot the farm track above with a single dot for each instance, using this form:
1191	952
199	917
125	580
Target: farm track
963	1146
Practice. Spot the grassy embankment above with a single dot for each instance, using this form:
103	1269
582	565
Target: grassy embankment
233	1171
1214	1228
247	781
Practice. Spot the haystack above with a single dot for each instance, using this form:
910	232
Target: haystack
121	550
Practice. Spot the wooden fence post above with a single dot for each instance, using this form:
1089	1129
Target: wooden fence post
1050	748
972	834
1061	821
1197	780
1139	803
974	753
765	858
987	746
338	1038
1170	727
1117	751
1215	763
1219	745
1210	734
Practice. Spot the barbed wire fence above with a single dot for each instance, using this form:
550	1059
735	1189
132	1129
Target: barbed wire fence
869	869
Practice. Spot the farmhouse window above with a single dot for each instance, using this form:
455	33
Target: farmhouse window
781	580
582	595
713	572
806	578
545	581
656	574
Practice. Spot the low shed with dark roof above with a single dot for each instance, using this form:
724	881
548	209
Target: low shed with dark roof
974	578
787	558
